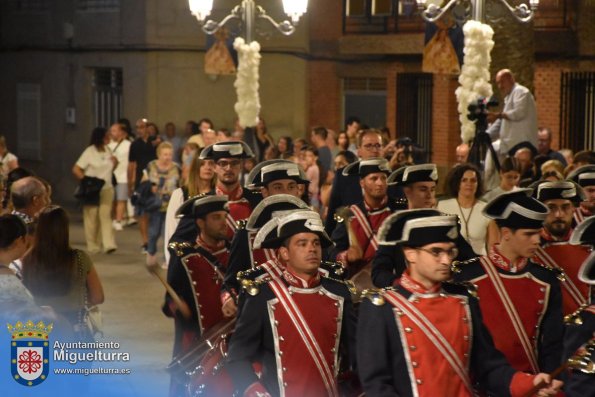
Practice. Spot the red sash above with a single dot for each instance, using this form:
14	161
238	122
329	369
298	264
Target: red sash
433	334
314	351
494	277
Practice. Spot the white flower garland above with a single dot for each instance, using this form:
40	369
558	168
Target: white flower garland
248	105
474	79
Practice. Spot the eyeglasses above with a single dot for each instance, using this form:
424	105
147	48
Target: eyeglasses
225	163
438	252
372	146
564	208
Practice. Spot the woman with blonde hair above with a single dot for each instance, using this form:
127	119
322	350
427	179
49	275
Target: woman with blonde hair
201	180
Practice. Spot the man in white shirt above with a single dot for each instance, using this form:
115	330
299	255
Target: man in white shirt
120	147
517	122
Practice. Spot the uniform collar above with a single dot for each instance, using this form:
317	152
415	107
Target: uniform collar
211	248
415	287
382	205
504	263
299	282
549	238
233	195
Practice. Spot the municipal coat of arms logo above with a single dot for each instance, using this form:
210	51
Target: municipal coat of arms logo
29	352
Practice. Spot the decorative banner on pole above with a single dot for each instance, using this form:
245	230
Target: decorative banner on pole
248	105
444	48
219	60
474	79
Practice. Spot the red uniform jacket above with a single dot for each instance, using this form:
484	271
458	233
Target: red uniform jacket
531	340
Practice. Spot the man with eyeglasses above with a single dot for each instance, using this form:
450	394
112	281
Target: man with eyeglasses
419	186
560	198
520	300
229	157
585	177
424	336
346	189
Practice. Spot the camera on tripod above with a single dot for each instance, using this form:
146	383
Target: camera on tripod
478	110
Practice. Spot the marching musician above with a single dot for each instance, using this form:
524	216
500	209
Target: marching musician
243	255
196	270
561	198
229	159
585	177
520	300
580	325
299	323
419	185
357	250
425	337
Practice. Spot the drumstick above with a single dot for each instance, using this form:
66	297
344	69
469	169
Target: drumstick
182	306
540	385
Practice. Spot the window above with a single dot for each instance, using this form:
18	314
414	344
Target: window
29	121
380	16
98	5
107	95
365	98
29	6
577	118
414	108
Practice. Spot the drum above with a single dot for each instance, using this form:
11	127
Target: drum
201	369
210	377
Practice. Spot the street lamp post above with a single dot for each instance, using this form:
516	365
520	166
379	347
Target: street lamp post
432	12
247	12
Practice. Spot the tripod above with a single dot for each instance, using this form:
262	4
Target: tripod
482	143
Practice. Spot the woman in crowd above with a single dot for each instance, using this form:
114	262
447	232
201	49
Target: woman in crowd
510	176
263	140
464	186
8	161
552	170
343	141
58	275
201	180
97	161
310	165
154	136
164	176
285	146
342	159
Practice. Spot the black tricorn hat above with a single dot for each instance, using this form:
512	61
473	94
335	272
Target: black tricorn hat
273	170
523	145
299	221
367	167
227	149
584	176
557	190
414	173
584	233
416	228
516	210
273	207
202	204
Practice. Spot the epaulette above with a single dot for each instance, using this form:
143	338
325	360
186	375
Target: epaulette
575	318
560	275
582	360
374	295
179	247
467	285
348	283
341	214
456	266
241	224
251	286
336	268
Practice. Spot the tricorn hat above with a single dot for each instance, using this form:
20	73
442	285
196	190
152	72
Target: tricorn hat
516	210
366	167
227	149
273	207
414	173
201	205
419	227
564	190
299	221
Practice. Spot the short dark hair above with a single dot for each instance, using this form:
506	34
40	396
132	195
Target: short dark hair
454	177
584	156
349	156
97	136
320	131
368	131
11	228
352	119
510	164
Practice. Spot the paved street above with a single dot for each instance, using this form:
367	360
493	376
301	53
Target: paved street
132	312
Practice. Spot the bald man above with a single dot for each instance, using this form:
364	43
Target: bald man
462	153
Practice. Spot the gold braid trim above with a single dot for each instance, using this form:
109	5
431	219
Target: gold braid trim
179	247
456	266
575	318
